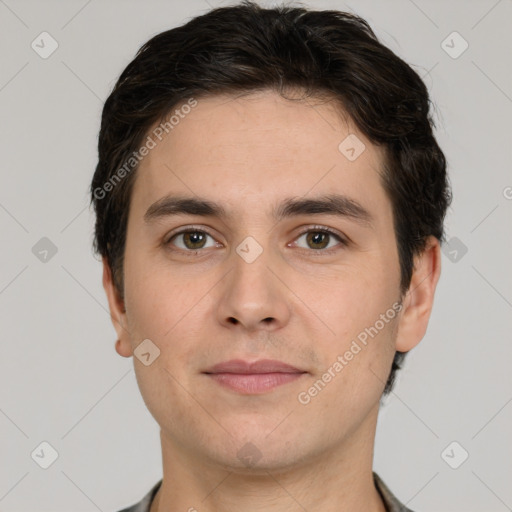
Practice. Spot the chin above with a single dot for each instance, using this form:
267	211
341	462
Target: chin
259	454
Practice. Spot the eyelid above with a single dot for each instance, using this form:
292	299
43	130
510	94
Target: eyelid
331	231
186	229
344	240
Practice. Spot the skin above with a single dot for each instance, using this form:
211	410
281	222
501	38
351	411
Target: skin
297	303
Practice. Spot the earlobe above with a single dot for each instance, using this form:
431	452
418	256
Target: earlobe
117	312
418	302
123	349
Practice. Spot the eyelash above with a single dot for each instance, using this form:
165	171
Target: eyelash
315	229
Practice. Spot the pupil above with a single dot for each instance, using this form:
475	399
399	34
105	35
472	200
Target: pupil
195	237
318	238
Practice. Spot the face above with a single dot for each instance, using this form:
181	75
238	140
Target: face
293	260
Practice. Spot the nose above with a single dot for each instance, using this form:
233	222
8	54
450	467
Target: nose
252	297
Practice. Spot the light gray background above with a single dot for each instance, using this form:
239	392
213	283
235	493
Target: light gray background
61	380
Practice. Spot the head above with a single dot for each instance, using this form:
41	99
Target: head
249	108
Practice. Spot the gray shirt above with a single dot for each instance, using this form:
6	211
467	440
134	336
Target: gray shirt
391	503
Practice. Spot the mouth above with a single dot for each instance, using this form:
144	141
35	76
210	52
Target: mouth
253	378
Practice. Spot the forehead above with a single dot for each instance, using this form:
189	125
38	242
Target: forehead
258	148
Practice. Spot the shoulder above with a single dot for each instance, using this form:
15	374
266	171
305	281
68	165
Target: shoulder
145	503
390	500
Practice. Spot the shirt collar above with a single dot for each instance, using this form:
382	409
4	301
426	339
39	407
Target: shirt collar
390	501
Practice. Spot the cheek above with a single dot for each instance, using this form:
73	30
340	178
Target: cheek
154	301
356	365
360	309
353	297
167	310
164	313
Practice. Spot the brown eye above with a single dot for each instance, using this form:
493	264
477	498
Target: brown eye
191	240
320	239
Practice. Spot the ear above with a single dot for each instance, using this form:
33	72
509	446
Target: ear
418	302
117	312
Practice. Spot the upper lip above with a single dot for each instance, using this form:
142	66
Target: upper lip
240	366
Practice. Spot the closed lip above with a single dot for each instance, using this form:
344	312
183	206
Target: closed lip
239	366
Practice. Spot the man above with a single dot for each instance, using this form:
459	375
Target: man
270	202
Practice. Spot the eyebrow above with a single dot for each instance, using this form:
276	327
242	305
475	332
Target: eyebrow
331	204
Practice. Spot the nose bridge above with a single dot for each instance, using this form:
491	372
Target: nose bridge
252	296
254	259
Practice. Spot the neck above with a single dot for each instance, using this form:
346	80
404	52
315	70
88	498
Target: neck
335	480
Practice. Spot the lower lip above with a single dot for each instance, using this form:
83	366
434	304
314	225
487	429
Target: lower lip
253	383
